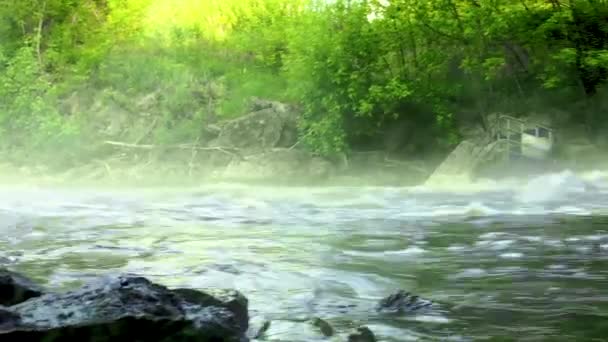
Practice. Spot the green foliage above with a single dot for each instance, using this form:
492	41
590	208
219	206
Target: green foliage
28	121
158	70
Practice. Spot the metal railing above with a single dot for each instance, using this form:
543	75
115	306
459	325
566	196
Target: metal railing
510	132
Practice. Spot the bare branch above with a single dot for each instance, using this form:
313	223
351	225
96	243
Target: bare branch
39	34
227	150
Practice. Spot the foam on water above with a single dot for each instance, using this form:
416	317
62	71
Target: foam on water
496	245
429	319
563	193
462	184
512	255
414	250
470	273
551	187
596	177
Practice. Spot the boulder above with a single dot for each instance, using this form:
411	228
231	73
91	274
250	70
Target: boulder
463	162
15	288
269	125
126	308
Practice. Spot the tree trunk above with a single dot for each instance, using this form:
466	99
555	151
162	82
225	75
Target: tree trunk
39	34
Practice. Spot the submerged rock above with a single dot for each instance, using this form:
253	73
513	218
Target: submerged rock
361	334
15	288
326	329
127	309
402	301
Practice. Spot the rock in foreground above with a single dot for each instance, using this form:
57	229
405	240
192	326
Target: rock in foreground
15	288
127	309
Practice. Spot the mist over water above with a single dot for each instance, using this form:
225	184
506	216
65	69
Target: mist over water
516	259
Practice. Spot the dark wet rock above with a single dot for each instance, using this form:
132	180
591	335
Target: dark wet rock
231	300
402	301
8	319
126	309
15	288
326	329
361	334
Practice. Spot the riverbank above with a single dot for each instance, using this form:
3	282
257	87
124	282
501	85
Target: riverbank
175	174
264	147
360	173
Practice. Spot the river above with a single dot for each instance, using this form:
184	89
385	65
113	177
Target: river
525	261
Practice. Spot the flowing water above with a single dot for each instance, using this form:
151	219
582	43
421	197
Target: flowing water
508	261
